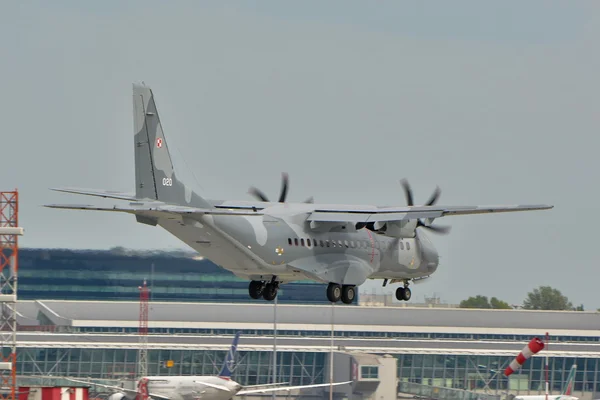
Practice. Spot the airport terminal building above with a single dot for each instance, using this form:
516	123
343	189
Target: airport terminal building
448	348
115	274
89	330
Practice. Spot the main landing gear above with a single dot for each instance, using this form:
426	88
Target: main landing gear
268	290
336	292
403	293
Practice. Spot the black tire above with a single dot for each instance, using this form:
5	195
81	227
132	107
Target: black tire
255	289
400	293
334	292
270	292
348	294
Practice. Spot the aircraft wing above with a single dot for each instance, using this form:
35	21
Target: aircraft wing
288	388
129	392
388	214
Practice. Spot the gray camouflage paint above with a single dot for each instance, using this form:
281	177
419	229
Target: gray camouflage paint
251	238
348	256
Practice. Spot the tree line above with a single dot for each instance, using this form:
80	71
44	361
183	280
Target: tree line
542	298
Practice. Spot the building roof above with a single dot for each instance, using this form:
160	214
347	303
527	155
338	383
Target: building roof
298	344
125	314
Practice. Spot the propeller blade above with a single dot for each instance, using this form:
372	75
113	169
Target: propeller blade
407	192
284	187
434	197
258	194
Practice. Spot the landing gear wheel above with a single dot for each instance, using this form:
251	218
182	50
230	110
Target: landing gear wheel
348	294
334	292
255	289
270	292
403	294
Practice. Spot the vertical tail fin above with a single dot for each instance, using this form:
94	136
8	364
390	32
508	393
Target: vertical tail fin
568	389
154	173
229	362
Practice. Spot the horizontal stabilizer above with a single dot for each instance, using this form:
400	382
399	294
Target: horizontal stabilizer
155	209
107	194
288	388
85	207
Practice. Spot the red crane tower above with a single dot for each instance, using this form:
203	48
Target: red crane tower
143	332
9	230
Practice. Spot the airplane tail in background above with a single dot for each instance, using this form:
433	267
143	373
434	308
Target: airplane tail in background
228	364
154	172
568	389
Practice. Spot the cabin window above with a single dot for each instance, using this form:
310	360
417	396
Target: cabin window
407	246
302	242
401	245
290	241
340	243
322	243
327	242
346	243
308	242
352	243
296	241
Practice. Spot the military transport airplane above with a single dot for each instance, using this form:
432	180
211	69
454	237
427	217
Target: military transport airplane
270	243
193	387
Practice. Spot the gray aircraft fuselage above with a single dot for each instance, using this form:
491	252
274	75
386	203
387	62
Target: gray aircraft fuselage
258	247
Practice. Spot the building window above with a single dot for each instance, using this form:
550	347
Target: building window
369	372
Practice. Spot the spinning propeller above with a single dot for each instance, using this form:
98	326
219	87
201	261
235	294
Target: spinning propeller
432	200
282	195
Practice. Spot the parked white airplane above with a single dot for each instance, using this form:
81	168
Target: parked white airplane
190	387
565	395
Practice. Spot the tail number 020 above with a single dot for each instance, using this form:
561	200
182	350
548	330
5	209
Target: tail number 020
167	182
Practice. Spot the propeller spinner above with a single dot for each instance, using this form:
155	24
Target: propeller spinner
282	194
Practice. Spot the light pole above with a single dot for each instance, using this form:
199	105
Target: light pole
274	343
331	356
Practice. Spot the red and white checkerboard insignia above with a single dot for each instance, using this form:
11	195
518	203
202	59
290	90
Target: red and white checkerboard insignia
159	142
